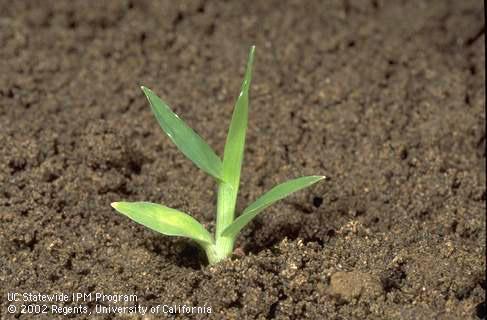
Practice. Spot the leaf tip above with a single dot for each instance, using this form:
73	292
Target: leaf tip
250	60
114	205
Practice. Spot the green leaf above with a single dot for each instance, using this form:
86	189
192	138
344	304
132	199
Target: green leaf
164	220
188	141
234	146
277	193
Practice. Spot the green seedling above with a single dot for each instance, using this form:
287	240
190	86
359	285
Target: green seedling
173	222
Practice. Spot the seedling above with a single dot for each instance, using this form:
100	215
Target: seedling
173	222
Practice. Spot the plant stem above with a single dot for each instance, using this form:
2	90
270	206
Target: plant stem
211	253
227	197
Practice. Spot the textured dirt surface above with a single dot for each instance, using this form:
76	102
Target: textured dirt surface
384	97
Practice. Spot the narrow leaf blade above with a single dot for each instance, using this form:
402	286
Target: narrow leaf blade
235	143
275	194
164	220
188	141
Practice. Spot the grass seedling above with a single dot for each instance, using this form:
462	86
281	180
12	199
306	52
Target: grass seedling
173	222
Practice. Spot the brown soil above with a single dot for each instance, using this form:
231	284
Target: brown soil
384	97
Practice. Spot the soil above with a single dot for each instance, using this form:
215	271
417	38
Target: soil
386	98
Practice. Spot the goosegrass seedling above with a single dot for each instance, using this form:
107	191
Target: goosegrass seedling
173	222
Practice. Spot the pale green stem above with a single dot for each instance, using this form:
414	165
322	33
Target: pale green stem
225	215
211	252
